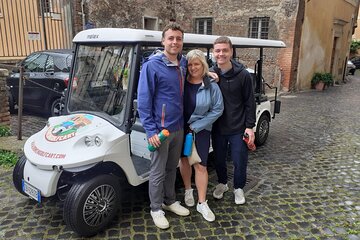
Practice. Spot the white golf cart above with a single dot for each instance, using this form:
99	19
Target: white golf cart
84	155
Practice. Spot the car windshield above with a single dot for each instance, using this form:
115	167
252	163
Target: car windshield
100	80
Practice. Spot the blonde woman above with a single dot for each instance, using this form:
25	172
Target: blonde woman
203	104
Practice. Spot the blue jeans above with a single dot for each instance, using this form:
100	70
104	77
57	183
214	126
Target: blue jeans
239	157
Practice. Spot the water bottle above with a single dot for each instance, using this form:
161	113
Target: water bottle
188	144
251	147
162	136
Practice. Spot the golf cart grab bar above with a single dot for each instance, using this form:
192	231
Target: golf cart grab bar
277	103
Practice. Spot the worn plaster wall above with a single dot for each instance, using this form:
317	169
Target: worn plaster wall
326	37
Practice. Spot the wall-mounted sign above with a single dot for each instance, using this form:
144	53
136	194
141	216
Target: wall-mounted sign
56	16
33	36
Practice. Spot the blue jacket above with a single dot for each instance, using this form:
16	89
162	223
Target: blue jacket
209	106
160	94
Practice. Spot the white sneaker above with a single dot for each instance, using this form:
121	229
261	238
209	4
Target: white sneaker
219	190
160	219
239	196
189	197
177	209
206	212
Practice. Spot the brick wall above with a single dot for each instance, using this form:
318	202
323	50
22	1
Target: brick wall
4	103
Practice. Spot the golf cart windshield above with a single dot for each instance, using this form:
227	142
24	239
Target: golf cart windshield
100	80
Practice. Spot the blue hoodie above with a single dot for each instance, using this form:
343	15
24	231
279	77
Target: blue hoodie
160	94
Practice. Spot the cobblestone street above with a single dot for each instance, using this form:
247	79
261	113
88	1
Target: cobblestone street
304	183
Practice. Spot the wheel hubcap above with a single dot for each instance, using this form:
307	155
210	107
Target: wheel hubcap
99	205
56	109
264	126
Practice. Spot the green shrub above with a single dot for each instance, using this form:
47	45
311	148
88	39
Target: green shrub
326	78
4	131
8	158
355	45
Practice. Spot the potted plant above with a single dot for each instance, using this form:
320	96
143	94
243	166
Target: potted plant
321	80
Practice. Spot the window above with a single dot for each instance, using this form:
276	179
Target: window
35	63
150	23
47	6
203	26
259	27
61	62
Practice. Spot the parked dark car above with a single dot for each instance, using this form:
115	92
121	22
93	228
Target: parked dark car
47	75
350	68
356	62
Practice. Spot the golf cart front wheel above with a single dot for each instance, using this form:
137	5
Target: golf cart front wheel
91	205
262	130
18	174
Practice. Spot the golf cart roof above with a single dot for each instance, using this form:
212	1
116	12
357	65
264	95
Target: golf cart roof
114	35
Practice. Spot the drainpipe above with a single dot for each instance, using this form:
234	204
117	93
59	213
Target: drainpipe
43	23
83	13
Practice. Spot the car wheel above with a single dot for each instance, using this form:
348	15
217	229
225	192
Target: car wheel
262	130
11	103
91	205
18	174
56	107
352	72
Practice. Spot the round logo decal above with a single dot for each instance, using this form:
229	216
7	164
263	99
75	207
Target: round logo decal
68	129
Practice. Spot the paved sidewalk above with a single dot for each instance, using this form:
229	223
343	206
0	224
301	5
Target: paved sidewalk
308	188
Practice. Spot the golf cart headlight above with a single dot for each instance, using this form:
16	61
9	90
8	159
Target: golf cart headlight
91	141
98	141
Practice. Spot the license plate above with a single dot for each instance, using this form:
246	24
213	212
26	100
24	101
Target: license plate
33	192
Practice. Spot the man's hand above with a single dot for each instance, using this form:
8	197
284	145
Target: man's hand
214	76
154	141
251	134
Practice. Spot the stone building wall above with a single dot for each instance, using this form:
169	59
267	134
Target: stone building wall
230	17
4	103
77	17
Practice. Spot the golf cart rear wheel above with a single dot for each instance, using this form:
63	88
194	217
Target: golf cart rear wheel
262	130
91	205
18	174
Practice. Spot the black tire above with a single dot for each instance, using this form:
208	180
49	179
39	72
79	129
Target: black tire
262	130
55	108
18	174
11	103
83	214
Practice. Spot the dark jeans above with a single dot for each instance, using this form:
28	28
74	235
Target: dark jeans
239	157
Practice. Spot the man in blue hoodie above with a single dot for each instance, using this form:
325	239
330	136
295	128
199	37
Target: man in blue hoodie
237	119
160	106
